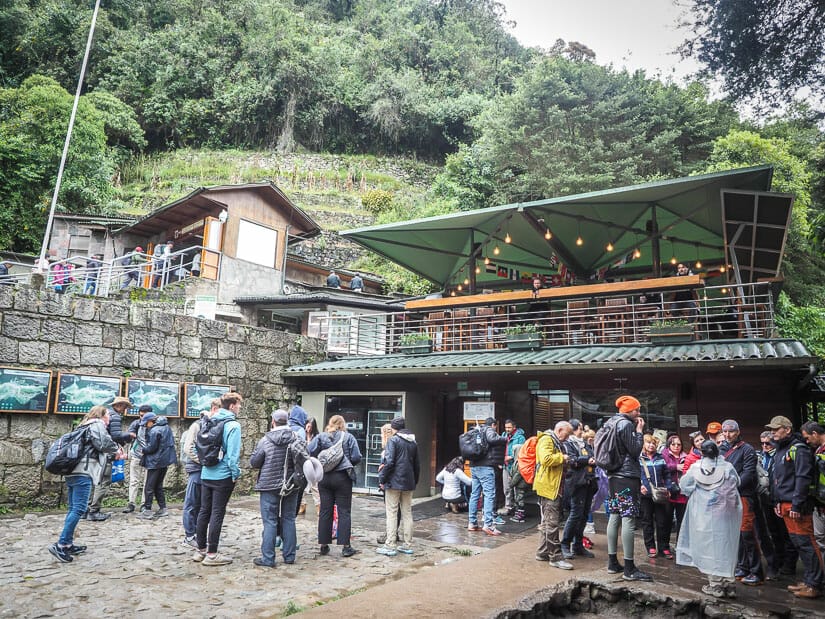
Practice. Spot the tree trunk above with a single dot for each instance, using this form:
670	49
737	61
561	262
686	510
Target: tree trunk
286	141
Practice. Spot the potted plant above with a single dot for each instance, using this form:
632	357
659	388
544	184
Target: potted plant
523	336
670	331
415	343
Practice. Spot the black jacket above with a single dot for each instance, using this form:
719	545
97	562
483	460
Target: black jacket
743	458
116	429
577	471
159	451
496	448
792	472
401	466
270	457
630	445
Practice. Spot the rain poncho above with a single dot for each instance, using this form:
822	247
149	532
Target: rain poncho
709	537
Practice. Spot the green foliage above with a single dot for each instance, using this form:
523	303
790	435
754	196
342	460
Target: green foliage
525	327
377	201
804	323
410	339
292	608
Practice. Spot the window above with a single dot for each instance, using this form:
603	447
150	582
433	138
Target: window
257	243
595	406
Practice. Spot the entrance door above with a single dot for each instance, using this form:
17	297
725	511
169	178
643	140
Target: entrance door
212	247
375	419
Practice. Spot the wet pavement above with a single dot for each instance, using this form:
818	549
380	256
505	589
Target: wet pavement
141	568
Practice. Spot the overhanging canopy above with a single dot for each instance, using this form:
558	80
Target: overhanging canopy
680	218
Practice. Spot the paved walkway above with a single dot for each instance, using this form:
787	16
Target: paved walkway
140	568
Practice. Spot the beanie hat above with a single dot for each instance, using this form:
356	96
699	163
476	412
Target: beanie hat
627	403
398	423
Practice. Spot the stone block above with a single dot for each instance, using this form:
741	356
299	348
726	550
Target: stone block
8	350
84	309
26	299
171	346
190	346
245	353
162	321
262	337
150	361
149	341
212	328
176	365
95	355
236	333
186	325
6	297
114	312
58	331
27	427
274	375
31	352
111	336
209	348
67	355
53	304
235	369
23	482
216	367
226	350
125	358
21	327
88	334
196	367
127	338
265	355
139	316
14	453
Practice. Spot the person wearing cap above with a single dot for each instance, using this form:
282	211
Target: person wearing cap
710	531
192	465
792	476
398	479
137	472
625	484
158	455
743	459
483	472
814	435
277	456
134	262
116	410
714	432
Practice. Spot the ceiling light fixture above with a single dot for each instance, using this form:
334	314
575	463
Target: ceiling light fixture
579	240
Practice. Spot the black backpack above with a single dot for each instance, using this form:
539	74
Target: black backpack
66	452
473	444
606	450
209	441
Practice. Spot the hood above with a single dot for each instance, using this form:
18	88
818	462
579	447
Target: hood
161	421
793	437
578	442
281	435
298	416
407	436
224	414
518	432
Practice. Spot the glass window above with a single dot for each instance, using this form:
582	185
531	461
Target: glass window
595	406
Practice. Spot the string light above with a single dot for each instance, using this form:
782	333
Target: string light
466	281
722	268
673	260
609	246
459	287
672	254
507	238
579	240
637	253
486	260
547	234
478	270
452	293
698	264
496	251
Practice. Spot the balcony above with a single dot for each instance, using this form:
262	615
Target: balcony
647	313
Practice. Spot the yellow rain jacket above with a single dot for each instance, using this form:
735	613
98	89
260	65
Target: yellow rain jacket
550	458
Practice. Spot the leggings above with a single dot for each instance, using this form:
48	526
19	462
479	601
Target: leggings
154	488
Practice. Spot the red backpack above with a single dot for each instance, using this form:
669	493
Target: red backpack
527	460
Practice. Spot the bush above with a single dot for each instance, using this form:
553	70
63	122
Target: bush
377	201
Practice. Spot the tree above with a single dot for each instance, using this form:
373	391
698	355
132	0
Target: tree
761	48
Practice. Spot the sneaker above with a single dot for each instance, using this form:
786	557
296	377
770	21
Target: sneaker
60	554
808	592
491	530
348	551
97	516
667	554
499	520
713	590
261	563
146	515
216	559
637	575
518	517
198	555
324	549
796	587
473	527
75	550
562	564
651	553
190	541
589	529
730	591
739	574
752	579
143	508
386	551
407	550
583	552
129	508
542	558
161	513
278	542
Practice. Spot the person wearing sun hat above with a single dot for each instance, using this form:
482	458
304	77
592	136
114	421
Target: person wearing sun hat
625	483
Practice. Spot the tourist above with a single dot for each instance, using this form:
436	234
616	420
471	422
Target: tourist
133	263
398	479
455	485
483	472
356	284
695	452
311	428
579	488
714	432
137	472
814	435
158	455
515	437
550	462
675	461
654	498
333	281
117	409
93	266
774	536
192	464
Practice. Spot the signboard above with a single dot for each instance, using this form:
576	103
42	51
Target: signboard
461	385
479	410
688	421
533	385
77	393
162	395
24	391
197	398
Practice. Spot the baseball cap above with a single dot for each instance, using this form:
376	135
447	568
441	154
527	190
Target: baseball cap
280	416
147	418
779	422
714	427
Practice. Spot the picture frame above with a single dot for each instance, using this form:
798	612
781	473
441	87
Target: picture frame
25	391
77	393
198	396
162	395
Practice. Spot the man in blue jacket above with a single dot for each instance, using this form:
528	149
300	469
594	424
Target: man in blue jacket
515	438
217	483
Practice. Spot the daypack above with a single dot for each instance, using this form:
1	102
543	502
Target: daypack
331	457
297	480
606	451
209	441
66	452
473	444
526	460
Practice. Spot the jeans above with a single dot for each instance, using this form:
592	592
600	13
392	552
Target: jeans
137	477
154	488
278	512
214	498
336	491
484	478
576	517
395	500
79	487
192	503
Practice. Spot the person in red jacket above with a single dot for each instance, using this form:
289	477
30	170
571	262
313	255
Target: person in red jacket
694	455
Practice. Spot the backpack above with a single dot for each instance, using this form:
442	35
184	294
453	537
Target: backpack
184	457
763	481
606	450
526	459
473	444
66	452
209	441
332	456
297	480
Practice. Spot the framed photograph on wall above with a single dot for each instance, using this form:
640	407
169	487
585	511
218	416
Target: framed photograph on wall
197	397
77	393
162	395
25	391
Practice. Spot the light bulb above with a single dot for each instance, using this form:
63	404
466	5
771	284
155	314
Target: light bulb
452	294
486	260
698	264
673	260
496	251
466	281
548	235
478	270
722	269
459	287
724	291
579	241
637	253
507	238
609	246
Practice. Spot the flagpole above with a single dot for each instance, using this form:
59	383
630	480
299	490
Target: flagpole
63	158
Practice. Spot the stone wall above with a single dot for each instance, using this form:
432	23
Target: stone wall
43	330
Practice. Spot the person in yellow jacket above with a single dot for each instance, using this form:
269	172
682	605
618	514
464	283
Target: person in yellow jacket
550	461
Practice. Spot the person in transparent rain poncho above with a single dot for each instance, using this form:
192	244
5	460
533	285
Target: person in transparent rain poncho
709	539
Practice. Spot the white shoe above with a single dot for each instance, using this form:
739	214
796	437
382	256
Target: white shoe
589	529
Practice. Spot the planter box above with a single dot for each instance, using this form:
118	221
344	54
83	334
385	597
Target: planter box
677	334
417	348
523	341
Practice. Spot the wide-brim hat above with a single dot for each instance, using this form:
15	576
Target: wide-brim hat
313	470
121	400
709	472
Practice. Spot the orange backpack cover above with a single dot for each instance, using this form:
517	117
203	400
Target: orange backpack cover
527	459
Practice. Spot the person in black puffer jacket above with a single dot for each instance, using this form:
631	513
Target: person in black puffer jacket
398	479
158	455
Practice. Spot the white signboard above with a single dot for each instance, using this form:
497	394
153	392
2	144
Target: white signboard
688	421
479	410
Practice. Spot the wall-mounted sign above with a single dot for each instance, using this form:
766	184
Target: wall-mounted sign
688	421
461	385
24	391
77	393
533	385
162	395
479	410
197	398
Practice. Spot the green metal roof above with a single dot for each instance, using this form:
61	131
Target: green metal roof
688	214
737	353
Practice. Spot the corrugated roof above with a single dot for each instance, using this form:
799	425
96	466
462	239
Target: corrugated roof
327	297
739	353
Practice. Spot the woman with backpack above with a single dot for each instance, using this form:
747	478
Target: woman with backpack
85	475
158	455
336	486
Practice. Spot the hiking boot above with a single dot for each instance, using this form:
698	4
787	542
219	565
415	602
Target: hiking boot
97	516
518	516
216	559
752	579
407	550
129	508
324	549
491	530
739	574
189	540
348	551
581	551
613	565
387	551
75	550
807	592
713	590
562	564
542	558
261	563
143	508
60	554
146	515
636	574
730	590
161	513
796	587
198	555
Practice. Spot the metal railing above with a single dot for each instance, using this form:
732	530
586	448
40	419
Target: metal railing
721	312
